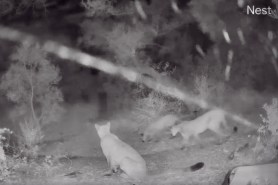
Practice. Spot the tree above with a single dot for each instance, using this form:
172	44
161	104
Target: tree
104	8
31	83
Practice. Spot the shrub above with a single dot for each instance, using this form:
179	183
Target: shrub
202	86
201	90
3	133
31	136
154	105
271	120
4	170
267	140
102	8
31	84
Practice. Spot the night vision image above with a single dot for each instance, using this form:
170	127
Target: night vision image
139	92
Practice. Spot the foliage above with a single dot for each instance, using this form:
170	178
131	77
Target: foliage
98	7
206	14
3	132
267	141
150	107
46	168
17	170
146	109
6	7
13	165
30	83
104	8
197	40
202	87
201	90
4	171
124	40
22	6
120	39
271	119
34	5
92	34
31	135
208	81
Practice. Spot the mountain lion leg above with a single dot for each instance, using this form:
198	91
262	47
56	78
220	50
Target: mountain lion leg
198	141
184	141
223	137
110	171
114	167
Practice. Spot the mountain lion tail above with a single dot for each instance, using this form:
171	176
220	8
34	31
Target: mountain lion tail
178	171
194	167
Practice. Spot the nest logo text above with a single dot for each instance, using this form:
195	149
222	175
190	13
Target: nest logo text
252	10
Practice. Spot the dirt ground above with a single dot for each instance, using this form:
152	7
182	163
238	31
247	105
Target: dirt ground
159	157
81	162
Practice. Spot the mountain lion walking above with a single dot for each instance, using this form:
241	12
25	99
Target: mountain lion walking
155	129
212	120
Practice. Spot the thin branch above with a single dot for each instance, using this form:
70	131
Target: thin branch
32	93
32	104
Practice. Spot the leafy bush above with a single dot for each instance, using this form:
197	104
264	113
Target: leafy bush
31	136
201	85
105	8
98	7
267	140
6	7
18	167
17	170
271	120
150	107
3	133
154	105
123	40
202	90
31	84
35	5
4	170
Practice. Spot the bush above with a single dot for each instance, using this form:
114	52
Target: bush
154	105
3	138
31	84
267	141
103	8
4	170
271	121
202	86
31	136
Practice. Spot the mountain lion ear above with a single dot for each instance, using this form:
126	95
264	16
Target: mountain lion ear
97	126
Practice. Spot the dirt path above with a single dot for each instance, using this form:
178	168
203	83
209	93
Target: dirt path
91	169
159	157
